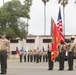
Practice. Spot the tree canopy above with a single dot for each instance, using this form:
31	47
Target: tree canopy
10	14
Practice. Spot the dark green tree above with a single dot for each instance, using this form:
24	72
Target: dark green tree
10	13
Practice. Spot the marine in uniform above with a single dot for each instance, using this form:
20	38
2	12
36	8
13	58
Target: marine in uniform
61	56
28	56
50	62
43	56
25	54
21	54
4	44
31	56
71	47
37	56
46	56
40	56
34	55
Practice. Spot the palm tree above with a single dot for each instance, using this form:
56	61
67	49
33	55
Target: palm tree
45	1
28	2
75	1
3	1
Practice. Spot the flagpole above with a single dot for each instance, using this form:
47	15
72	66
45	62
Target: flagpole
51	27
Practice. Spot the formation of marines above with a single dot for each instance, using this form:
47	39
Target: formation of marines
37	56
68	49
34	56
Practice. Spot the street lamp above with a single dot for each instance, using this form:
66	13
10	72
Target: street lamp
45	1
63	3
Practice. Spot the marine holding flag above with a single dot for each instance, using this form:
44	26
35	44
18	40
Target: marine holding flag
56	37
50	62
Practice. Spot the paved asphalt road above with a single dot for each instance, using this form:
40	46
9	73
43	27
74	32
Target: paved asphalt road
16	68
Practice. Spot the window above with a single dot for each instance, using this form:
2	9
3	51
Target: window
13	52
30	40
47	40
13	41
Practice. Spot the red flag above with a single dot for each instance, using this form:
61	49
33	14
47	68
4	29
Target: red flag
56	40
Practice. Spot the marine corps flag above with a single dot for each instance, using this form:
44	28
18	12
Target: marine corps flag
56	36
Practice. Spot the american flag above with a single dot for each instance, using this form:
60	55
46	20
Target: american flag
59	23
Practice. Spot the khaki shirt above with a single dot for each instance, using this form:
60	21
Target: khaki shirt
61	47
3	44
25	53
40	53
20	53
37	51
34	53
72	47
31	53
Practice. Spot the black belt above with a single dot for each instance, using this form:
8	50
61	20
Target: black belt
70	52
3	49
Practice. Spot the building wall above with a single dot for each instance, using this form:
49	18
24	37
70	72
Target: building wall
38	42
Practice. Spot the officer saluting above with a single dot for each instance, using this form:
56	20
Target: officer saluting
71	49
4	43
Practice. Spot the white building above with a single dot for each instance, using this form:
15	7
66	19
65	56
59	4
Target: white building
33	41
